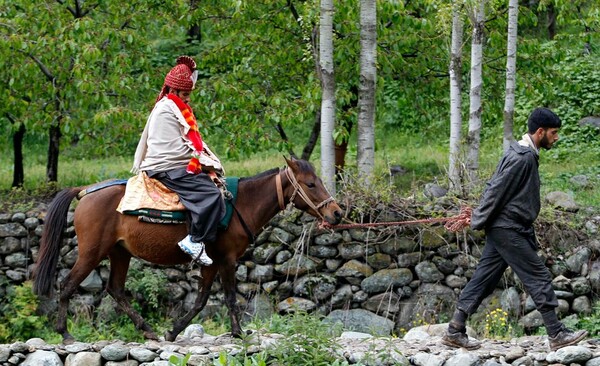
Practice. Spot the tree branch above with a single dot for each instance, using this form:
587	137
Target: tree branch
284	137
92	7
70	9
290	5
42	67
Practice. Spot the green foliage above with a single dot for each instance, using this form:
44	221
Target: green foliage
67	64
591	323
147	284
219	323
257	72
179	361
311	341
85	328
497	325
19	199
19	319
225	359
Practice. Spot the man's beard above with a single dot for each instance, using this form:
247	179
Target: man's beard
545	142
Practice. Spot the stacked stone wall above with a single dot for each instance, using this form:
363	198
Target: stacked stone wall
393	277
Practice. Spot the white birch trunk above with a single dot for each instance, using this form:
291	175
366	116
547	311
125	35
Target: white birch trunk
454	163
511	72
328	97
366	88
475	108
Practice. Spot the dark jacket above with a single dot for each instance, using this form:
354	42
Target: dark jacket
511	198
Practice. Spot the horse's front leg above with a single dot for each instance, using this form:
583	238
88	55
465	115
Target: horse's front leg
228	280
208	277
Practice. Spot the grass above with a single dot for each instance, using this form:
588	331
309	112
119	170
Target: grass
421	159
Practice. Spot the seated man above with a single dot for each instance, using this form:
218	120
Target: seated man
171	150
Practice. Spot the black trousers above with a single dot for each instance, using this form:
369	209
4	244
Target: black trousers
200	196
508	247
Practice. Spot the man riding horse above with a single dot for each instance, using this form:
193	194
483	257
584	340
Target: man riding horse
172	151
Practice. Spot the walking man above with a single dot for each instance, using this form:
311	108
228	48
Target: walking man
509	205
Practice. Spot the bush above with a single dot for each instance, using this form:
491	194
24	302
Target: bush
19	320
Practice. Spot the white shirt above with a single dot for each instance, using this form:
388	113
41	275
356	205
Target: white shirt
164	144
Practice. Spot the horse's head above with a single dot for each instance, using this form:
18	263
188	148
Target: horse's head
309	193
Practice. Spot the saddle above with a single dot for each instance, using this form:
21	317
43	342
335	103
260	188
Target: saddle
152	202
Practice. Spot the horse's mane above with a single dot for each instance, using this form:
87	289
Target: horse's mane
261	175
302	164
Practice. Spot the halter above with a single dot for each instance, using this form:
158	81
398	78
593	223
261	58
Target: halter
299	191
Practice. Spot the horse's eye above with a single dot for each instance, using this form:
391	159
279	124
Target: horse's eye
310	185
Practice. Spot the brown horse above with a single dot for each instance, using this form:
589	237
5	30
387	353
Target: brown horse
103	232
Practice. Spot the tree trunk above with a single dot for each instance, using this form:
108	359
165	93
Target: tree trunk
316	130
511	72
194	32
341	147
340	156
475	107
314	136
328	98
366	89
19	172
551	20
454	166
53	152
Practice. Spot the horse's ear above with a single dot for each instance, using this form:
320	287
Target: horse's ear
291	161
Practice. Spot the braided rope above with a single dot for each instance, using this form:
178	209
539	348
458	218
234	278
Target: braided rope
453	223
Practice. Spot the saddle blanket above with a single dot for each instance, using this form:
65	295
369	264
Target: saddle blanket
153	202
144	192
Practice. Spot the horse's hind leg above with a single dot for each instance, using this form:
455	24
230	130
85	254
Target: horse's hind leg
208	277
119	265
68	286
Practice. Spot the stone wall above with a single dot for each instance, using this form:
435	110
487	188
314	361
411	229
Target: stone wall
374	280
421	346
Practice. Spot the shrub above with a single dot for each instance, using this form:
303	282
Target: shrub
19	320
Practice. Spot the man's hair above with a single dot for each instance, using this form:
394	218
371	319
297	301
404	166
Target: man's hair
542	118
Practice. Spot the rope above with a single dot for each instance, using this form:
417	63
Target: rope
453	224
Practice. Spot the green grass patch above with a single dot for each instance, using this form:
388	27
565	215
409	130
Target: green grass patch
420	159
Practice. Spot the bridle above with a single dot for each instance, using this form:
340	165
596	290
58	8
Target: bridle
297	191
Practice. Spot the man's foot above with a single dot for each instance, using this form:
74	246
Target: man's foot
195	250
566	337
460	340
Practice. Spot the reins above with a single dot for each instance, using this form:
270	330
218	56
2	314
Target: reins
251	236
453	223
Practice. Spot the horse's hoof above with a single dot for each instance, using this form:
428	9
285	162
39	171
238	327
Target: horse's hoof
169	336
68	340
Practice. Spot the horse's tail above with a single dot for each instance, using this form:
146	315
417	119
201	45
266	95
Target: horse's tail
54	225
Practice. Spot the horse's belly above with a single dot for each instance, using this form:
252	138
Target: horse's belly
155	243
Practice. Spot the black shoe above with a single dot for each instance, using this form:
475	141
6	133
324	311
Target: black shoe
460	340
566	337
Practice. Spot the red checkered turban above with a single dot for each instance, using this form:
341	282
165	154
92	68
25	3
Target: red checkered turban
181	77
